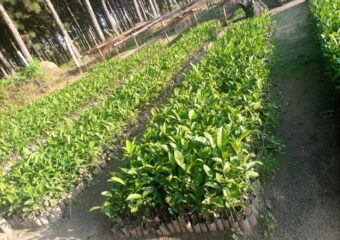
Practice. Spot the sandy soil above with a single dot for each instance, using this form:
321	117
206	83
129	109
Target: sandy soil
305	194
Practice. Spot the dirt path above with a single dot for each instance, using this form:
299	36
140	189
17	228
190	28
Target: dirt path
305	195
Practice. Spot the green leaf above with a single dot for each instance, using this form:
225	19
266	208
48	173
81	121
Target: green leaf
107	194
95	208
213	185
180	159
244	135
236	147
252	174
202	140
117	179
219	178
132	171
29	202
128	147
134	209
192	115
207	170
226	167
210	138
218	202
148	191
217	159
219	138
165	147
134	196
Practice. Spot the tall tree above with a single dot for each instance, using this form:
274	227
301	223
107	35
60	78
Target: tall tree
83	36
5	62
138	11
15	33
94	20
73	50
109	17
153	7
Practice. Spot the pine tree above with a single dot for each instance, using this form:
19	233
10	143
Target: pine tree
94	20
73	50
15	33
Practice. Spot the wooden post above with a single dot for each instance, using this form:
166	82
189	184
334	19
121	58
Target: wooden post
151	32
213	8
195	17
117	51
166	34
100	53
167	37
134	38
139	39
225	13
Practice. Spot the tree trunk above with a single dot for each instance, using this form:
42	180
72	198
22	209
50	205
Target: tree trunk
83	36
73	50
3	71
144	9
15	34
7	65
115	17
154	11
138	11
94	20
109	17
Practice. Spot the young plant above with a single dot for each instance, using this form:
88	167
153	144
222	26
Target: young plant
199	154
49	173
327	14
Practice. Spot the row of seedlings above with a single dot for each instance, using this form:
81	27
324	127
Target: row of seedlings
35	191
19	128
327	16
194	170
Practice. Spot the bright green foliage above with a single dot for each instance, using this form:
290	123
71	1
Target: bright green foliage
20	127
48	174
327	16
199	152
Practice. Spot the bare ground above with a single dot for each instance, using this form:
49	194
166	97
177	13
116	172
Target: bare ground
305	194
